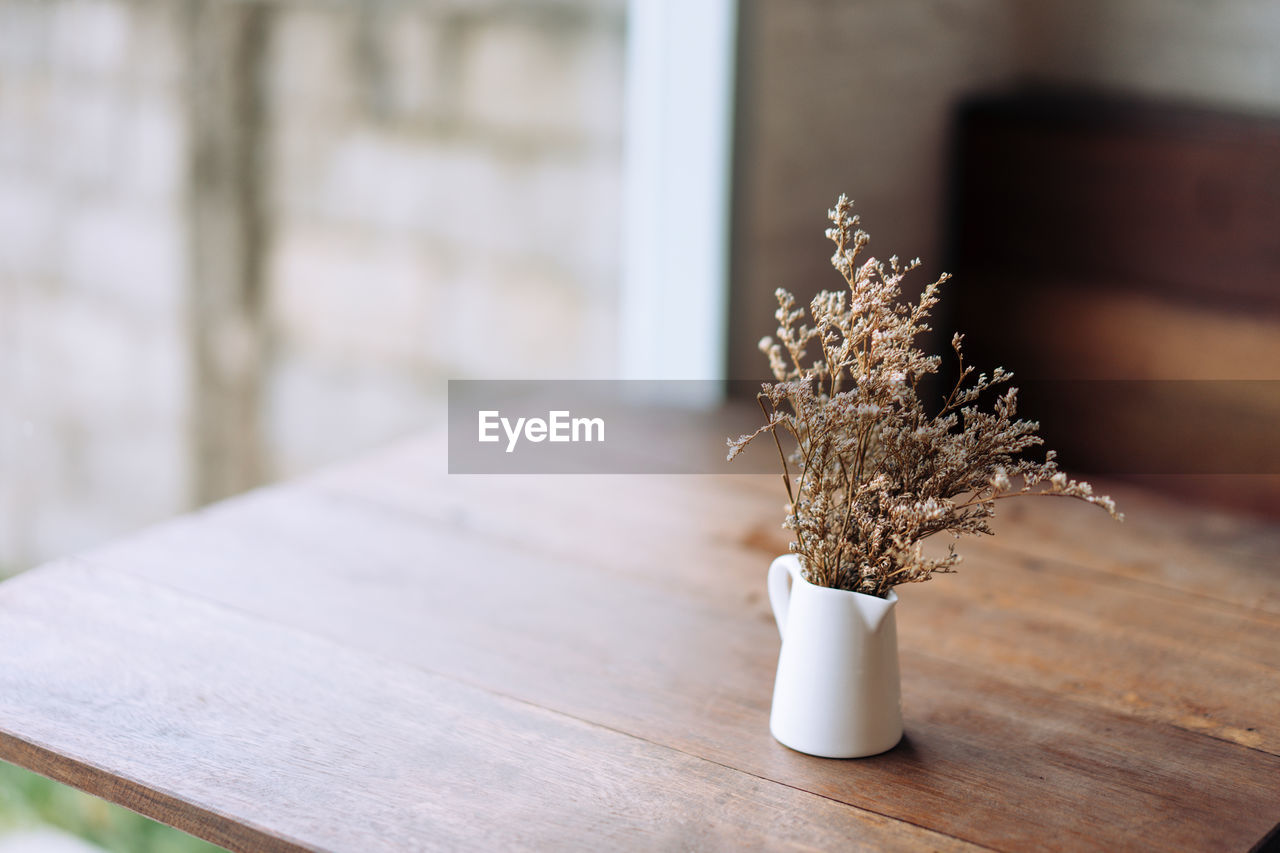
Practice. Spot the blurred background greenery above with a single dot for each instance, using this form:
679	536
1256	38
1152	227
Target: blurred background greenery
29	801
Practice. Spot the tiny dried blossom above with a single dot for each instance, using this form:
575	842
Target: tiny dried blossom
876	473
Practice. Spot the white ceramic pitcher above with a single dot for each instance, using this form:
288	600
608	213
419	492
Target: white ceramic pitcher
837	693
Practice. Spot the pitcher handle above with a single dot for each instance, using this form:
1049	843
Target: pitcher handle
785	568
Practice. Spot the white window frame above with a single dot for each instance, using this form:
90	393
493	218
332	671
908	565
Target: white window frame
677	168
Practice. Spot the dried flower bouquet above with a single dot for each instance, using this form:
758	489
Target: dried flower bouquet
876	472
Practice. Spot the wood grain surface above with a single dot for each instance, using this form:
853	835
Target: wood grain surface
386	657
259	737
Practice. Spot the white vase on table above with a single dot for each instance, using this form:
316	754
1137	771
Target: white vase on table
837	693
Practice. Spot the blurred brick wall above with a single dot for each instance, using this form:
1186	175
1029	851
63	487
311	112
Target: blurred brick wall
93	367
1221	53
439	187
446	189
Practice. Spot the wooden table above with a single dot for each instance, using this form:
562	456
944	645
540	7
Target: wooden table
384	657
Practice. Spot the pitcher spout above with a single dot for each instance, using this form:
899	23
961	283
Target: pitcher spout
872	611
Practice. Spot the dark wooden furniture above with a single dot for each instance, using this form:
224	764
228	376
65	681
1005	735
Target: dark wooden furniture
1109	240
385	657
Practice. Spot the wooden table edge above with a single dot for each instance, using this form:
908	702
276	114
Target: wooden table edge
144	799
